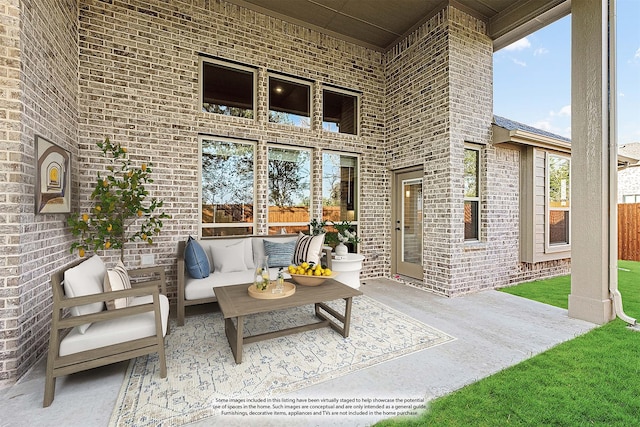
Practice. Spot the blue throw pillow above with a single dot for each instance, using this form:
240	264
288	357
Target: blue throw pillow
196	259
280	254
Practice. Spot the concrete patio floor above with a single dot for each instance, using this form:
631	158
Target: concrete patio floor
493	330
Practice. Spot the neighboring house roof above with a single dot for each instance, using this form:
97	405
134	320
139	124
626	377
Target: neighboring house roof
505	130
631	150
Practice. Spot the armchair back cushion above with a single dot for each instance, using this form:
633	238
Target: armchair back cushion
196	260
85	279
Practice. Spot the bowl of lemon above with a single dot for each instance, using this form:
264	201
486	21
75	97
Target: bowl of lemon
310	274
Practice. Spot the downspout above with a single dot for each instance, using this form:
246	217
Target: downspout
615	295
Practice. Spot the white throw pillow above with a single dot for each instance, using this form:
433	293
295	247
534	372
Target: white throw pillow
227	259
85	279
117	279
308	248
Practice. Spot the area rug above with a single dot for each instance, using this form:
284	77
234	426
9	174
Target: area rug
201	368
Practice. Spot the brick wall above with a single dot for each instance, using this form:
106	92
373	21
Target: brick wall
128	69
39	76
139	64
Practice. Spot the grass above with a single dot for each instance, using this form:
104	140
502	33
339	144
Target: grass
592	380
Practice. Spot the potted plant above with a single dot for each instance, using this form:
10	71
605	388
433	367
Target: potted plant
119	202
345	235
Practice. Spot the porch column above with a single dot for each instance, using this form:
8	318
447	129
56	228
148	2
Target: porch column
590	170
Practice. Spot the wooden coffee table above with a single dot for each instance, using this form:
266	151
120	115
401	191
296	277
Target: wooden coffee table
235	302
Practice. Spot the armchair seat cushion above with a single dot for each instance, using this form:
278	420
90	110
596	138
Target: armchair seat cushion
116	331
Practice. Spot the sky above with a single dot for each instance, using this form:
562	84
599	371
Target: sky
532	77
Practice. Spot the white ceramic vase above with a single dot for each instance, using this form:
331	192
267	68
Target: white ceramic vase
341	249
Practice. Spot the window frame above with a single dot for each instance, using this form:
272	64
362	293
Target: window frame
356	210
548	246
478	197
295	81
229	225
300	224
232	66
340	91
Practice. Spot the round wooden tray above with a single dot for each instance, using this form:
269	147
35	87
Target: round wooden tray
289	289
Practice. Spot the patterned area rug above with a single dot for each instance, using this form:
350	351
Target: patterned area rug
201	368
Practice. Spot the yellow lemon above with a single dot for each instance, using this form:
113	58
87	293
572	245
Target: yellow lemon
327	272
304	265
81	252
317	273
85	217
139	213
107	244
144	167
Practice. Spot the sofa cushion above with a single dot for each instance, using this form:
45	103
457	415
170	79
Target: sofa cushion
85	278
230	258
115	331
280	254
308	248
207	244
117	279
204	288
195	259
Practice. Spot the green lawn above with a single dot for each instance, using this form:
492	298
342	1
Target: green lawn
592	380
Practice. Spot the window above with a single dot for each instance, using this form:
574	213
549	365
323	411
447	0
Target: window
339	187
227	173
558	198
289	101
339	111
289	189
471	193
631	198
227	88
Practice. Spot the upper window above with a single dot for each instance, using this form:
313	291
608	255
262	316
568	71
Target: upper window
471	193
339	111
631	198
559	200
339	187
289	101
289	189
227	88
227	171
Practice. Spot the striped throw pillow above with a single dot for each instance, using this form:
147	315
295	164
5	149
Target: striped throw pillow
308	249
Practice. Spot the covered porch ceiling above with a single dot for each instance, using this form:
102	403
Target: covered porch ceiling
380	24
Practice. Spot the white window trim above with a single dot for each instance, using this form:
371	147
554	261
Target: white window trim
292	80
358	97
202	226
232	65
478	148
270	224
549	248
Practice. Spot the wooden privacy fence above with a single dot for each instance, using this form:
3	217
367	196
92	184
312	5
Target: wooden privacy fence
629	231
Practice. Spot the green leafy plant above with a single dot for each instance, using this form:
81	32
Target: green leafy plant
119	202
317	227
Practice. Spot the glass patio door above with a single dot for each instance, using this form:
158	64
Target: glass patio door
408	221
